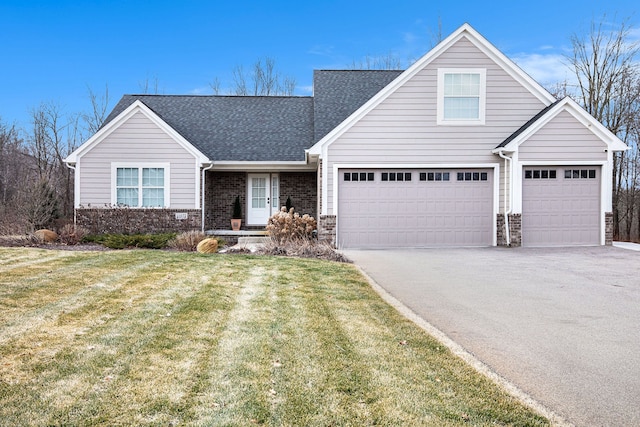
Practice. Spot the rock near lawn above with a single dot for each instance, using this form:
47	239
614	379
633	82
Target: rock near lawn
208	246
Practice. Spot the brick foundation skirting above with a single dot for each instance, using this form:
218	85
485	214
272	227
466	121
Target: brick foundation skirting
608	228
327	229
134	221
515	230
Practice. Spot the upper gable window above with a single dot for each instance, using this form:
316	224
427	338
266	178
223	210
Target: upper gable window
461	96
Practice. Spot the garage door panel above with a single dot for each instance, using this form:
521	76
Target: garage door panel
560	211
415	213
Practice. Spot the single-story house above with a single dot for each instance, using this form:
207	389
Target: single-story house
461	149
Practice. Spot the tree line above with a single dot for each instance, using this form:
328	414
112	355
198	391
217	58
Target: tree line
36	187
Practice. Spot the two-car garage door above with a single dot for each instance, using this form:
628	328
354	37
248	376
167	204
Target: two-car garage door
415	208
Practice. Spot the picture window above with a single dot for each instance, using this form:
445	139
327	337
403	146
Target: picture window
137	187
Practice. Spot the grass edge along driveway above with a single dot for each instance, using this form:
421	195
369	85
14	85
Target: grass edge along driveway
163	338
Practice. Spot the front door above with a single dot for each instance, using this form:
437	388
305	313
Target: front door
263	197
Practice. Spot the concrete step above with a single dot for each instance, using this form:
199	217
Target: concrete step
253	240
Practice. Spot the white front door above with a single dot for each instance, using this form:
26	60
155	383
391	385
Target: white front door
263	197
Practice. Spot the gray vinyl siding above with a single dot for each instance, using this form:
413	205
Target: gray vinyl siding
563	138
137	140
403	128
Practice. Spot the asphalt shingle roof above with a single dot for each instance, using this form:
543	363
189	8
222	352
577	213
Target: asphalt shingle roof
264	128
527	125
236	128
337	94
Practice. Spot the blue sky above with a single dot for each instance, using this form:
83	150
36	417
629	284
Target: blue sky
53	51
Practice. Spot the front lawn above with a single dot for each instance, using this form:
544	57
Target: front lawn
160	338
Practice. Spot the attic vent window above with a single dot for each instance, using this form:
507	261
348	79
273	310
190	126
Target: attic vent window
461	96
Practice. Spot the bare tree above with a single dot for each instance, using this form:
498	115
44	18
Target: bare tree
608	76
390	61
54	137
149	86
99	109
215	86
263	80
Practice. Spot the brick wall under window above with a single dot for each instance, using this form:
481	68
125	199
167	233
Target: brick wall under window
134	221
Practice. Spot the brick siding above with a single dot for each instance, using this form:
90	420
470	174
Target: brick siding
134	221
223	187
515	230
608	228
327	229
303	190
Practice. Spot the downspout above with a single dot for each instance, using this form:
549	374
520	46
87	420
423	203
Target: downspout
204	170
509	193
73	168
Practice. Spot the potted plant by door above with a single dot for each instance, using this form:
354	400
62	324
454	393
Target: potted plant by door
236	217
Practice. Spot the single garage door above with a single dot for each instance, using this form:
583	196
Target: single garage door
561	206
415	208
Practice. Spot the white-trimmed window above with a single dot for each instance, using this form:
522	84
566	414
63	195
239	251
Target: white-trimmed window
140	185
461	96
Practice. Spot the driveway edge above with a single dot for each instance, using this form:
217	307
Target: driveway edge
469	358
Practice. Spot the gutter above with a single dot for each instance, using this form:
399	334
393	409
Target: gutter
202	204
509	193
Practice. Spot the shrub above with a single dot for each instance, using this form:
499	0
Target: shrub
121	241
187	241
72	234
303	248
289	226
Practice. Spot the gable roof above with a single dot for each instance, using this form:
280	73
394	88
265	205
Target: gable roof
338	93
465	31
235	128
511	143
109	126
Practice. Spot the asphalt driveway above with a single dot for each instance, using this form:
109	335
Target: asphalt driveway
562	324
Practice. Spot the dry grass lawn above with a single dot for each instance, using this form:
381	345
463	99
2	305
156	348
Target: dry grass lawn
162	338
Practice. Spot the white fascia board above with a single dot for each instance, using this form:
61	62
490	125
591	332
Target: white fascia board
263	166
567	104
464	31
135	107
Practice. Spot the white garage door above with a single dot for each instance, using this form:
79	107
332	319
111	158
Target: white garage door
415	208
561	206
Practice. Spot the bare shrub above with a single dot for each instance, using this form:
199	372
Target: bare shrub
72	235
290	226
302	248
20	241
187	241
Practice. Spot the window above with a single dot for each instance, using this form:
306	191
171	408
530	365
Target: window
359	176
579	173
396	176
540	174
143	186
461	96
472	176
434	176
